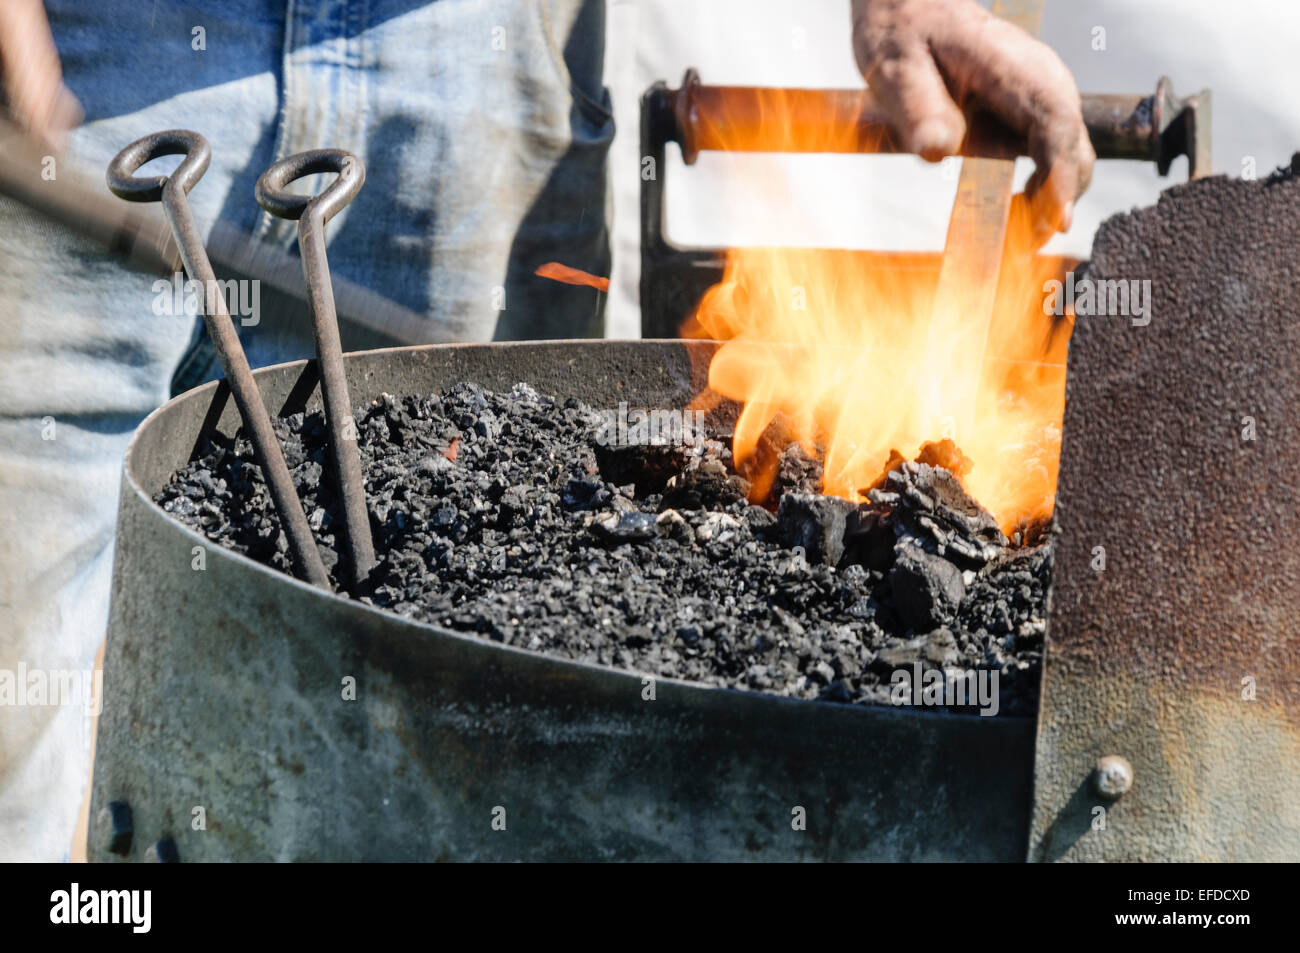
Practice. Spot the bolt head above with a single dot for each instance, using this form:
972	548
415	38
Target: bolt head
121	829
1113	777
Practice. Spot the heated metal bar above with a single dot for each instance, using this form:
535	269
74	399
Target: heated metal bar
312	214
962	313
1026	14
172	191
964	297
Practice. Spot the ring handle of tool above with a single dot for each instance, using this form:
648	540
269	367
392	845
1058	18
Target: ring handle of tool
125	184
312	212
271	185
172	192
701	118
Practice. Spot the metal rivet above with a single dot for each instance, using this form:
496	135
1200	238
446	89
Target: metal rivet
121	827
1113	777
163	852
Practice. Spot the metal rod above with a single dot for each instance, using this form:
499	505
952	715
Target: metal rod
964	299
172	191
312	214
702	118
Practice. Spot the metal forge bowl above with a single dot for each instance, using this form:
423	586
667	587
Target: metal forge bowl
224	691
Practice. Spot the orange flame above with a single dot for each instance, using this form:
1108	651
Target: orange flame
842	350
571	276
839	344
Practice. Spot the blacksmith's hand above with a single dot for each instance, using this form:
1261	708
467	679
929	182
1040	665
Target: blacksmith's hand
923	57
30	73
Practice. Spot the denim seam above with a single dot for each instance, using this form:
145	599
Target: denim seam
357	69
596	112
265	222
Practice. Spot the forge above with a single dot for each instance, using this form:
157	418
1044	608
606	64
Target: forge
588	760
315	725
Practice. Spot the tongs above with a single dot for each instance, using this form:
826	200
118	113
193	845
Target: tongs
172	191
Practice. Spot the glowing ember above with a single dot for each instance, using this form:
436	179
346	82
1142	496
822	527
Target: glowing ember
571	276
842	352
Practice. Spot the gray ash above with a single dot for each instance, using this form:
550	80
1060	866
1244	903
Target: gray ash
506	516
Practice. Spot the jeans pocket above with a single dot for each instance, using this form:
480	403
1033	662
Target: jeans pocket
579	57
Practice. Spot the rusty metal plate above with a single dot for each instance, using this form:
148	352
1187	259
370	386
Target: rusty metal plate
1174	638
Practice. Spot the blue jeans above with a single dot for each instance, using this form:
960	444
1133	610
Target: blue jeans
484	127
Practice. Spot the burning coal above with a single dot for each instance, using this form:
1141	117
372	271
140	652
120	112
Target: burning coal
841	356
514	516
848	358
